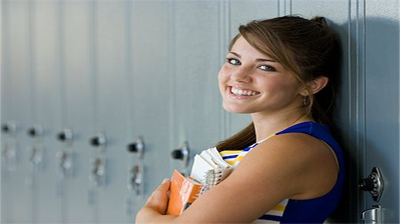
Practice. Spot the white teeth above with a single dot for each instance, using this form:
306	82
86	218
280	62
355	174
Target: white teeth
243	92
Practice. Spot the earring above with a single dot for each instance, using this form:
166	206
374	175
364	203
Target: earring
305	101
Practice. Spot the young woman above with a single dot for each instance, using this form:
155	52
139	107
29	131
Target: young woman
288	167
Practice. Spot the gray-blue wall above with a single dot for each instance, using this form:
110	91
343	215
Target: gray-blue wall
148	69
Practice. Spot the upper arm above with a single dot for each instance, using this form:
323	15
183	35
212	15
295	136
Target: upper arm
268	174
284	167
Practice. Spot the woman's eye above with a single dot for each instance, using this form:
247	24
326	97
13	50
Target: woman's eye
267	68
233	61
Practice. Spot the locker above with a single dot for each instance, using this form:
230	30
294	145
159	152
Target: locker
6	114
150	61
196	103
46	109
18	108
382	103
110	105
77	70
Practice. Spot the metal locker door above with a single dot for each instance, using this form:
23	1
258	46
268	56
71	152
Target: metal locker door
16	38
8	133
7	117
382	103
111	107
46	110
150	60
8	136
196	105
78	113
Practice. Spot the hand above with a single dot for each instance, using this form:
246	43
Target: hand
158	200
156	205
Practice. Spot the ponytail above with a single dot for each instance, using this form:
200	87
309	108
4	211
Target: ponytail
240	140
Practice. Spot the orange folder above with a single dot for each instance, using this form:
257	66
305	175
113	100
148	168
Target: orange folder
183	192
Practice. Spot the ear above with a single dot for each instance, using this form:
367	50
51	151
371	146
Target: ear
315	85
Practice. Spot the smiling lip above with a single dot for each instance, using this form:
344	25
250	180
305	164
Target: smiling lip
235	91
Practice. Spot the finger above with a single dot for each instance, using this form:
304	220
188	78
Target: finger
161	189
164	186
161	193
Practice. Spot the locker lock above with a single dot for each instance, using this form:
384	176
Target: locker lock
99	140
5	128
178	154
181	153
35	131
65	135
373	183
9	127
137	147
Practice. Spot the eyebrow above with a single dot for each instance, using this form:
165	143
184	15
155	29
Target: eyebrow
258	59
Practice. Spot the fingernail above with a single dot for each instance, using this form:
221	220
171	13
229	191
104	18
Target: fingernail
165	180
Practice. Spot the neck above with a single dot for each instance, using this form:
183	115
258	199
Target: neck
267	125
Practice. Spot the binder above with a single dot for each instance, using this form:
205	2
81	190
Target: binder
208	170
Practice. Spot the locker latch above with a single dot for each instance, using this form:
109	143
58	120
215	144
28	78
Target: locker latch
135	179
372	215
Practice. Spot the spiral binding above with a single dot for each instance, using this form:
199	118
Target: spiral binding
213	177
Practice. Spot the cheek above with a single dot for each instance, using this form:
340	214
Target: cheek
223	72
281	87
223	77
293	89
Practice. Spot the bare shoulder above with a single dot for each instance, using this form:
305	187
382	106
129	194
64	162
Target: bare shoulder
294	165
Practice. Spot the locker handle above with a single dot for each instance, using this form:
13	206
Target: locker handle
9	127
35	131
137	147
99	140
182	153
5	128
65	135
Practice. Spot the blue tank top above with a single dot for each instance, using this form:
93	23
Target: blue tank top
315	210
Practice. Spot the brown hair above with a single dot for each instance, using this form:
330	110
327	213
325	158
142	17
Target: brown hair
309	49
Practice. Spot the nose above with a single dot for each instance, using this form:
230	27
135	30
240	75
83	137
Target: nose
241	75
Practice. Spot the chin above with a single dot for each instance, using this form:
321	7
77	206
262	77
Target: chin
235	109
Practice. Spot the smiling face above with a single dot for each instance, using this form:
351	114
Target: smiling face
251	82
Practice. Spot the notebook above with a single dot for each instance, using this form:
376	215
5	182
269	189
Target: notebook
208	170
183	192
